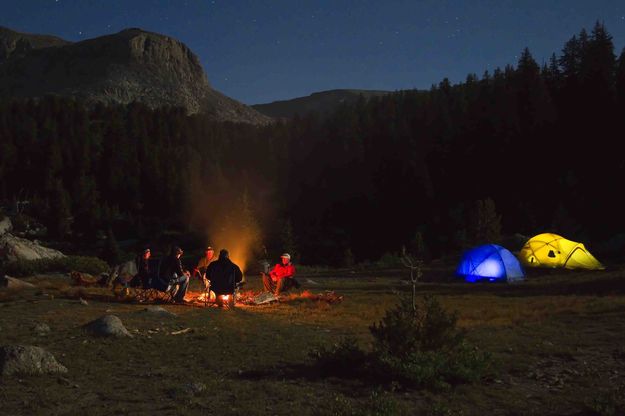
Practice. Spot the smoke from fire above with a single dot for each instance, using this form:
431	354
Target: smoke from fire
228	222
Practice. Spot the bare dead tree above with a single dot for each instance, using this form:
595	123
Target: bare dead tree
416	273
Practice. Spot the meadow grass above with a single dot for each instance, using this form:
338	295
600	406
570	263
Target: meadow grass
556	341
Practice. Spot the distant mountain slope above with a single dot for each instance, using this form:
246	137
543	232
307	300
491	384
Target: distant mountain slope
15	43
132	65
321	102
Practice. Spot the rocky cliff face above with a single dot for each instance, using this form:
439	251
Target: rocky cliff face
132	65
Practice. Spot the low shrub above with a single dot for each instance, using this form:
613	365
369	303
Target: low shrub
421	345
608	403
84	264
415	345
341	359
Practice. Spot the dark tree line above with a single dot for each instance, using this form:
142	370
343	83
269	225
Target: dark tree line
538	142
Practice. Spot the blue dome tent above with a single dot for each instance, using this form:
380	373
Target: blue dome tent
491	263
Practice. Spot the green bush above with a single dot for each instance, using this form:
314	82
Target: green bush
416	345
407	328
422	346
91	265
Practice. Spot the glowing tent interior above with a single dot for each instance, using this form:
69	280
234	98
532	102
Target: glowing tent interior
553	250
491	263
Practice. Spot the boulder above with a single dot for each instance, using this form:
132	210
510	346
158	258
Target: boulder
27	360
107	326
14	248
159	311
13	283
5	225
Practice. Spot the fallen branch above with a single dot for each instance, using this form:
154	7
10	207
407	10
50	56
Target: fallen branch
182	331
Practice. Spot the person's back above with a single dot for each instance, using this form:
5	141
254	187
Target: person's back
223	274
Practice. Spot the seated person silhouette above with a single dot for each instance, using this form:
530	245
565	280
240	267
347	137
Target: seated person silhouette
224	276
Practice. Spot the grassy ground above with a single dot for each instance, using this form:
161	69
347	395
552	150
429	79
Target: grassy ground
557	342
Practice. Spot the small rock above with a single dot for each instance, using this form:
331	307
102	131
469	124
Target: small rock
159	311
195	388
28	360
64	380
5	225
41	329
265	297
107	326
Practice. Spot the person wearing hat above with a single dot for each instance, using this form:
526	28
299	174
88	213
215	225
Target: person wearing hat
202	265
281	277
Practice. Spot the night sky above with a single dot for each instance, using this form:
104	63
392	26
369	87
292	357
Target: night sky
258	51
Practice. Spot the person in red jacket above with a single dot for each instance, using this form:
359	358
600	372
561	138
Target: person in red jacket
281	277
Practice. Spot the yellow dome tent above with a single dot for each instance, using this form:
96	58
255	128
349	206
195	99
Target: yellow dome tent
552	250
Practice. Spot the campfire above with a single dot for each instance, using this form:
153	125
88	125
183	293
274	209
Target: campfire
210	297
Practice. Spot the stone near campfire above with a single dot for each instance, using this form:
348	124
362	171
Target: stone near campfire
107	326
265	297
159	311
27	360
5	225
14	248
13	283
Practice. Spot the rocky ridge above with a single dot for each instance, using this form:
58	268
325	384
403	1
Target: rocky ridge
130	66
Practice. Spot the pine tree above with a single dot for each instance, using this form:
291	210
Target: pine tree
60	218
86	206
620	80
485	223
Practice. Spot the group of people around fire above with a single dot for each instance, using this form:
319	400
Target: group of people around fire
218	275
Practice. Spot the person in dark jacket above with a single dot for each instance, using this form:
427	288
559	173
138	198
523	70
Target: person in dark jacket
142	278
224	275
172	273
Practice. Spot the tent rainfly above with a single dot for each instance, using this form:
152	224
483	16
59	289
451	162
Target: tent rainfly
490	263
552	250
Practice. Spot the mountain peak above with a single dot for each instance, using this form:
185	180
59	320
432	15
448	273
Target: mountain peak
131	65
